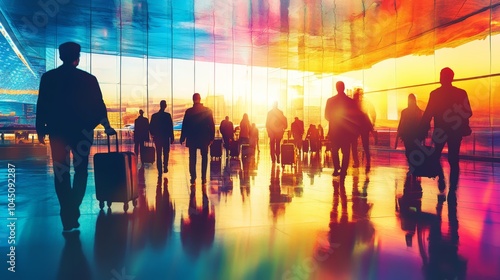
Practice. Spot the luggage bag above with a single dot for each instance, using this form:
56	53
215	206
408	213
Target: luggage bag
115	175
148	153
287	154
216	149
234	149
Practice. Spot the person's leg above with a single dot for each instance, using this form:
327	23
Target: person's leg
204	163
166	153
159	153
61	164
441	179
278	149
453	160
136	148
141	149
272	147
81	151
355	158
345	149
192	164
365	140
334	149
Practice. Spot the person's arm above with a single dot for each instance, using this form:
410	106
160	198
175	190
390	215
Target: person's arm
171	122
211	126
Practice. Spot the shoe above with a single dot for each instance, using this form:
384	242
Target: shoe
203	181
336	172
165	170
441	185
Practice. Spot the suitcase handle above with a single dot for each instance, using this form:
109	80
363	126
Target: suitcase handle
116	143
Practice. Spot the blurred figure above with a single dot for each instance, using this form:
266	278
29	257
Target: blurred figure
227	130
69	107
254	138
321	132
366	123
198	130
162	130
408	126
297	128
245	127
450	108
141	133
341	113
313	136
276	123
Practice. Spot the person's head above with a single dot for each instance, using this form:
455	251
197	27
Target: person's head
69	53
296	118
358	94
446	76
196	98
412	100
275	104
227	118
340	86
163	105
141	112
245	116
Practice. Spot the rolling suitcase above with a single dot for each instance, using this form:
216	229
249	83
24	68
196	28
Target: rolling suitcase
287	154
216	149
305	146
247	151
234	149
115	175
148	153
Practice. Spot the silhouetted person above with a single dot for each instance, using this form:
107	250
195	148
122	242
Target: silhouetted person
365	127
450	108
141	132
198	130
297	128
254	138
69	107
408	126
245	128
276	123
227	130
321	132
341	114
313	136
162	130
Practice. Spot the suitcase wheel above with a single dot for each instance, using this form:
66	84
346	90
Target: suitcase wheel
125	206
109	204
101	204
134	202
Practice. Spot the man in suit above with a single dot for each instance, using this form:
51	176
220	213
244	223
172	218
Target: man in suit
342	115
276	123
69	107
198	130
162	130
141	133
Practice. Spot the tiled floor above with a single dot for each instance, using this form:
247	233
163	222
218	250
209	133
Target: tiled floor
254	220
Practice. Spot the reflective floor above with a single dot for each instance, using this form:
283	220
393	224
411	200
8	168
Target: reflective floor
255	220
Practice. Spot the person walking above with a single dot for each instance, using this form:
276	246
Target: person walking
198	130
69	107
276	123
141	133
297	128
226	129
342	114
450	108
162	130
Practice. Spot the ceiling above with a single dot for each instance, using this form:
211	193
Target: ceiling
321	36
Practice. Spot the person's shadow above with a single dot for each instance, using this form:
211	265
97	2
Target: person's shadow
111	242
439	251
73	263
198	228
162	218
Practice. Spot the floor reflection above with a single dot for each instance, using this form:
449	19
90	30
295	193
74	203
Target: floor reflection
273	222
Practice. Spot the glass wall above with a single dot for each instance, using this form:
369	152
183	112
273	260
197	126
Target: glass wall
242	56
